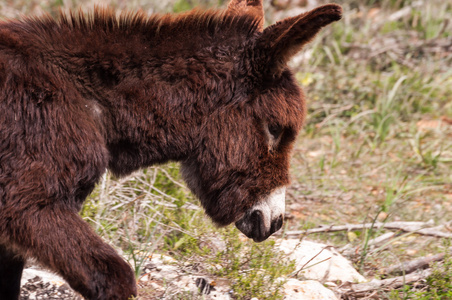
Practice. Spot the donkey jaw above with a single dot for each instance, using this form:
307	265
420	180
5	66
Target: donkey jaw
264	218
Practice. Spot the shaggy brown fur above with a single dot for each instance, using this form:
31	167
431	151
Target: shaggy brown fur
91	92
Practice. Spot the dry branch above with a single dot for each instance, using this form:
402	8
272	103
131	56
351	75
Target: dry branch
382	239
387	284
411	266
416	227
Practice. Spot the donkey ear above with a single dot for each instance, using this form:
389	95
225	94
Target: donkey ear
285	38
250	7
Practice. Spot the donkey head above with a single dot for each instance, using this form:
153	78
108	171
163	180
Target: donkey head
241	165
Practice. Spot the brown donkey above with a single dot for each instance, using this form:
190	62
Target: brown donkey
87	93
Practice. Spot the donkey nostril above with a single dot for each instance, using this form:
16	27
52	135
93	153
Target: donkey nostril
276	224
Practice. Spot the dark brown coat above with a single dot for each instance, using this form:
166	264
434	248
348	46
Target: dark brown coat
89	92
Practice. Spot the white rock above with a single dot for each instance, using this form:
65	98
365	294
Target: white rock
31	273
41	284
320	262
307	290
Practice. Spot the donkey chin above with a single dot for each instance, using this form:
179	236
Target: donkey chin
264	218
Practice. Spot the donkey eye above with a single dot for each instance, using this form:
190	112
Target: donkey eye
275	130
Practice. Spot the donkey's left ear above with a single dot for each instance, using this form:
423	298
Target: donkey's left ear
250	7
282	40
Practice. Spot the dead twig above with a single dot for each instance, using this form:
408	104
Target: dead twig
416	227
356	289
296	273
411	266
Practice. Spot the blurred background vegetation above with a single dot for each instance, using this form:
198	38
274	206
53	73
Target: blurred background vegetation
377	146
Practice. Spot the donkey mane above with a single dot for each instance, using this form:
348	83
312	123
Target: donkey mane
104	20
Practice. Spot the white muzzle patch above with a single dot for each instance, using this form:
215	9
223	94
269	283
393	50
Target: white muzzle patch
273	206
264	218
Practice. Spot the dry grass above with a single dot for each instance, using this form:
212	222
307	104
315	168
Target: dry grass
378	142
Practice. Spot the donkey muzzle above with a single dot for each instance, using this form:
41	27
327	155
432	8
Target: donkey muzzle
264	218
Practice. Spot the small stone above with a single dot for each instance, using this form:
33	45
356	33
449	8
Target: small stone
144	278
309	289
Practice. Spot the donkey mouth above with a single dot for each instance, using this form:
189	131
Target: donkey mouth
254	227
265	218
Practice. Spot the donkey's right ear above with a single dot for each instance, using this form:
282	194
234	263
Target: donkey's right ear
282	40
250	7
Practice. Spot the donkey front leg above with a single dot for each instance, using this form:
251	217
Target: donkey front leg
62	241
11	266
